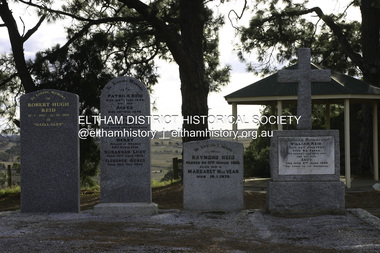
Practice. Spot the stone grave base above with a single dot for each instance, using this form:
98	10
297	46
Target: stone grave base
126	208
298	198
232	205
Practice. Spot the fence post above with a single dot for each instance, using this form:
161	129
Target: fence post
9	176
175	168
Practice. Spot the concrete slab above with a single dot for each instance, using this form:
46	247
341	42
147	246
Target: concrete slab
126	208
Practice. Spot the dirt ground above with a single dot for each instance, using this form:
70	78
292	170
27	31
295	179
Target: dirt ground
170	197
251	230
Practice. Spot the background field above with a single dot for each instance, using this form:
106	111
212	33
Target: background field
163	150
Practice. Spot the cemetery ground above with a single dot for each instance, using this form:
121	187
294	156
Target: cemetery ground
174	230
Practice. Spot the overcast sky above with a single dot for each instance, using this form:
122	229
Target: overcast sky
167	92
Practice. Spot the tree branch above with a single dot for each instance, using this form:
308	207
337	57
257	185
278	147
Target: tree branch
79	18
34	29
171	38
336	29
237	15
5	81
17	45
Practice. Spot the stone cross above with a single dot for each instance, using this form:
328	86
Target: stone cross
304	75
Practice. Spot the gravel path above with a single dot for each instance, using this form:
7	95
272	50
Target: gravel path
175	231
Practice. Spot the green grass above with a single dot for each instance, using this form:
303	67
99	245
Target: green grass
164	183
16	188
10	190
95	188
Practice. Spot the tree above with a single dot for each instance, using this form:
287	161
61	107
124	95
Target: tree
136	33
17	42
280	27
112	38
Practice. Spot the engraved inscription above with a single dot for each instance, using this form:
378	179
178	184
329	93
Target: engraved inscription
46	113
306	155
124	98
212	162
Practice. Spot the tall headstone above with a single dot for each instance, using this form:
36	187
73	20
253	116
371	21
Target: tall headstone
125	185
305	163
213	176
304	75
49	152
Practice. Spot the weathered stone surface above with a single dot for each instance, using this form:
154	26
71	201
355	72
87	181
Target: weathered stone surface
125	154
125	160
306	155
304	75
213	176
312	155
305	163
49	152
376	186
305	197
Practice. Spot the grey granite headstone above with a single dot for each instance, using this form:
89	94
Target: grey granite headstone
213	176
125	148
304	75
49	152
305	173
305	163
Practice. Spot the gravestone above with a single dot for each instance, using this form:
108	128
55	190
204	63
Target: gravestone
305	163
304	75
49	152
213	176
125	185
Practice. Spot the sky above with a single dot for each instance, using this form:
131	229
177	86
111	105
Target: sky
166	93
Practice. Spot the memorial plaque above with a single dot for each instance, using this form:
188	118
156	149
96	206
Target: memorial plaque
125	142
305	163
306	155
49	152
213	175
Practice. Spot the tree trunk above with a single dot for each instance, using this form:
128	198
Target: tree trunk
370	41
371	74
187	50
194	88
17	43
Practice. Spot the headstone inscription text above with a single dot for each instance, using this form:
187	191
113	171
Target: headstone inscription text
125	160
125	97
211	166
306	155
305	163
213	175
44	111
49	152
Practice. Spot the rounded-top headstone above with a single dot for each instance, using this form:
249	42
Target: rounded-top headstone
125	142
